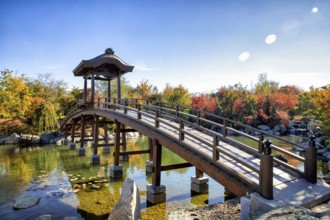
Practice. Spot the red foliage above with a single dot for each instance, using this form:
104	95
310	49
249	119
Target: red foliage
239	107
204	102
282	101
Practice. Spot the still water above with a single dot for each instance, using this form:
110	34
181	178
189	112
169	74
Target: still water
50	173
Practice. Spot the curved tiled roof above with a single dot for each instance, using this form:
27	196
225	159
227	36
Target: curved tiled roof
107	65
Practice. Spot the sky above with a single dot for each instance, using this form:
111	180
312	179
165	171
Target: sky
202	45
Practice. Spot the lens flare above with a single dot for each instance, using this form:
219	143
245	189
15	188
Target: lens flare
270	39
244	56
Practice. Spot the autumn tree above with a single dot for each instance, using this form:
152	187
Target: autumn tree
204	102
15	95
176	94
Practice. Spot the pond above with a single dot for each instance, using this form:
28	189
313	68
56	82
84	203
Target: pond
51	173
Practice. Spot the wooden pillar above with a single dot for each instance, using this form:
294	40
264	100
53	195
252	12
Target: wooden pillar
157	162
198	173
96	134
310	165
93	91
105	128
118	89
150	149
73	130
117	143
85	90
266	172
82	131
123	137
109	90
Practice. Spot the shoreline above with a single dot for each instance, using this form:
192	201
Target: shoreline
230	210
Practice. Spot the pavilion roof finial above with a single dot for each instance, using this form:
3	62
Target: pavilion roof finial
109	51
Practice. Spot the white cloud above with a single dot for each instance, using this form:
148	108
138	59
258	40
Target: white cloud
144	67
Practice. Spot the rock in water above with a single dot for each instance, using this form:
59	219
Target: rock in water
25	202
128	206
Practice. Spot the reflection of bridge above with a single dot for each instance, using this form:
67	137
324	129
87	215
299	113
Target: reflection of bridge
198	137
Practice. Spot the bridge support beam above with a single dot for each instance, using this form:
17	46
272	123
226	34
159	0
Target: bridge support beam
199	183
116	169
124	144
149	166
156	193
82	150
95	158
106	148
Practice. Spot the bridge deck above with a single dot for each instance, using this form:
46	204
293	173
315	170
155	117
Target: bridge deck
288	186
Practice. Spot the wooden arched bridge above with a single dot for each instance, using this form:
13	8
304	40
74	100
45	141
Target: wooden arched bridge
201	138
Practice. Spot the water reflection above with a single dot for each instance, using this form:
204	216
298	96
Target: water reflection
46	172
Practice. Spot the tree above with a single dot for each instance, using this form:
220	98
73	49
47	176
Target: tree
126	88
45	118
15	96
177	95
204	102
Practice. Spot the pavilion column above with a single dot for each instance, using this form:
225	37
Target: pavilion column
93	91
199	183
118	89
109	90
72	145
156	193
116	169
82	150
85	90
95	158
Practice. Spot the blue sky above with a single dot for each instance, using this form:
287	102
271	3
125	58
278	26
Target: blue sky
196	43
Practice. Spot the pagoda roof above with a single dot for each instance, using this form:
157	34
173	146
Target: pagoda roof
105	66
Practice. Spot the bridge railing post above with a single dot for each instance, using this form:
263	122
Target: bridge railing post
125	106
177	109
139	111
114	104
261	143
156	119
216	154
181	133
266	172
198	121
98	102
224	131
310	165
136	103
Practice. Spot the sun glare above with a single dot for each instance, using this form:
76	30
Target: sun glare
244	56
270	39
315	10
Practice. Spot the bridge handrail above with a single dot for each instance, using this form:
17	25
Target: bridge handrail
159	104
203	121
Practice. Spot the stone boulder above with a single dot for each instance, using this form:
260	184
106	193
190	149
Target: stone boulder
25	201
46	138
263	127
289	212
13	139
128	206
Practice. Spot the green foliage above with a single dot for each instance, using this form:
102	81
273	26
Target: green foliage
177	95
45	118
15	96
